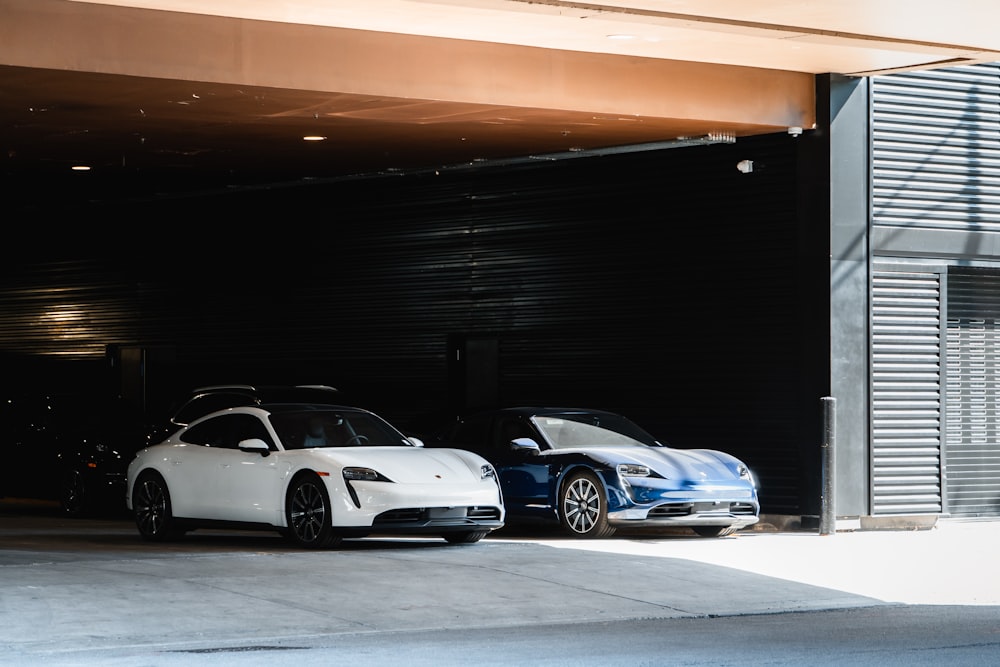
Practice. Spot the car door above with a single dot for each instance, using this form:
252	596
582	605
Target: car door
194	471
526	478
252	482
211	478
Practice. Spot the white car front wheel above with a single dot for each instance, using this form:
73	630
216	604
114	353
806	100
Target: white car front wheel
307	513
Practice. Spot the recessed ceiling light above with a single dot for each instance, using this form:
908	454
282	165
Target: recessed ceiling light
80	167
313	137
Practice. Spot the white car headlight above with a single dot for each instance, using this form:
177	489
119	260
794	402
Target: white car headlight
632	470
364	475
486	471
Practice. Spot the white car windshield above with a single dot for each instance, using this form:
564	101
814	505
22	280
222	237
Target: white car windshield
570	431
305	429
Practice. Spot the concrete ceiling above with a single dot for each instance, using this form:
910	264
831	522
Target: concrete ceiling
168	95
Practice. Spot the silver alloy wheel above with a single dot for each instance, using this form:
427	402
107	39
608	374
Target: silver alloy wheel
581	505
584	507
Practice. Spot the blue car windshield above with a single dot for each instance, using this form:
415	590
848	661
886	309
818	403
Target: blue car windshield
573	430
304	429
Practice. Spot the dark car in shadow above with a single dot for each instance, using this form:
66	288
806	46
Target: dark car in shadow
73	448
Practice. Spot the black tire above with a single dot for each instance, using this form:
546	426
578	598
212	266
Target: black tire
308	513
73	497
714	531
465	538
583	507
152	509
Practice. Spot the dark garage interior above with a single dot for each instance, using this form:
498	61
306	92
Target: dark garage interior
664	284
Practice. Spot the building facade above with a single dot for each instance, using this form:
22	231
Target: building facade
719	308
935	283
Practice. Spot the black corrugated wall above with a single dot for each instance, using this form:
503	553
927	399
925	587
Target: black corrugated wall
663	284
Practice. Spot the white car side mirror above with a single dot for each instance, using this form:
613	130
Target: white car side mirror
255	445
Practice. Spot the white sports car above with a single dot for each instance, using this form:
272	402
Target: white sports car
314	473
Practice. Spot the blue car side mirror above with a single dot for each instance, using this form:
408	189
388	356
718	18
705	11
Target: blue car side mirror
525	446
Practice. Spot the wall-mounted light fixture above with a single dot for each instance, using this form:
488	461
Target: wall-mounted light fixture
745	166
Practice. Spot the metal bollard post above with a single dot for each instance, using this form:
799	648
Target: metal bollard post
828	515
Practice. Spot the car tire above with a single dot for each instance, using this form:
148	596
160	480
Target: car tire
152	508
73	496
583	507
308	513
714	531
465	538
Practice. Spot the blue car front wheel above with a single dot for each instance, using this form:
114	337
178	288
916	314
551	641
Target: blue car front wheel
583	507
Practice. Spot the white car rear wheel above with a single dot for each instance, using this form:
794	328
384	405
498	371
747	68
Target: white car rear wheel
153	512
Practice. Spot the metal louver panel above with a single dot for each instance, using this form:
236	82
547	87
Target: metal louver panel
972	453
936	149
906	393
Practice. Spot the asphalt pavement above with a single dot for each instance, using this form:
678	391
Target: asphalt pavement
70	586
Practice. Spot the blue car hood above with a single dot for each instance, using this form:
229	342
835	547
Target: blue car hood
692	464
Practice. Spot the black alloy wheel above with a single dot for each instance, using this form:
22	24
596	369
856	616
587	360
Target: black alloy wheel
583	507
307	513
152	509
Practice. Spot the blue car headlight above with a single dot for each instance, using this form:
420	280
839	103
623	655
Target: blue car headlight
633	470
745	474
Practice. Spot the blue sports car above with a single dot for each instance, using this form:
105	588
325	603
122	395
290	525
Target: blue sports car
594	472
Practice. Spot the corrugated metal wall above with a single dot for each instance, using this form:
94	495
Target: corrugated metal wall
906	393
658	284
936	149
936	191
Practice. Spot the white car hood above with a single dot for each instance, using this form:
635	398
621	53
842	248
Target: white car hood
411	465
